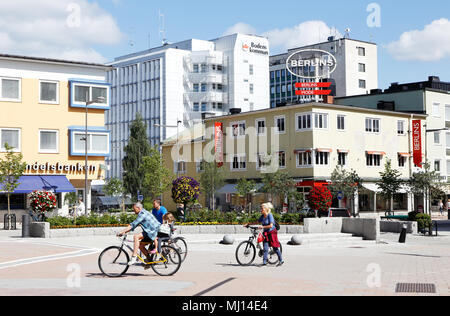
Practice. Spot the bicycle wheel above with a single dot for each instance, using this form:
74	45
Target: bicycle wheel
113	262
245	253
273	257
181	246
171	261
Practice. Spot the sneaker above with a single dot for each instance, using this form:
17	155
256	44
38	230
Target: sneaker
133	261
280	263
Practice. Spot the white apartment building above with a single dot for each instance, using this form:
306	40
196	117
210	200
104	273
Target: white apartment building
177	85
356	71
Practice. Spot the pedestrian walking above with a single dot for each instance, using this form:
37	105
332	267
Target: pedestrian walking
270	233
441	207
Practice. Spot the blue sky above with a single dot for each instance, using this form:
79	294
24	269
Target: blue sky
109	26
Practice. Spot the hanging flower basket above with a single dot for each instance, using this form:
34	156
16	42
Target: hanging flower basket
42	202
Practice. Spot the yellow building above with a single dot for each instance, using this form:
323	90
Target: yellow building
43	116
307	141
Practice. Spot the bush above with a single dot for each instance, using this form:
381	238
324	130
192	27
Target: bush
423	221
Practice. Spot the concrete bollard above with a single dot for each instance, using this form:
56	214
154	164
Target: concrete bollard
227	240
296	240
25	226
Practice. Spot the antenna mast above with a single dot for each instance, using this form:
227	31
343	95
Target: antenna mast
162	28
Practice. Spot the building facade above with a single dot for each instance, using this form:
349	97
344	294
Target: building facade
430	97
176	85
43	104
307	141
356	71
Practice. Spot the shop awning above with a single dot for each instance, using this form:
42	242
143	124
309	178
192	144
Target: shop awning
343	151
324	150
371	187
381	153
302	151
404	155
57	184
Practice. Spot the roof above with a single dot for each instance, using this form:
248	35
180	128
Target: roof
315	104
53	61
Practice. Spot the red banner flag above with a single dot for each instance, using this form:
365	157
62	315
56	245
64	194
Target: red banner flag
218	141
313	84
417	143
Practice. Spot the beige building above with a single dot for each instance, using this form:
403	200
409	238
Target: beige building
43	112
308	141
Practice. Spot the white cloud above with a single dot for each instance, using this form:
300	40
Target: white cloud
430	44
305	33
65	29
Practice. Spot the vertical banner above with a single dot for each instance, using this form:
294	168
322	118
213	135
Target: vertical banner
417	143
218	141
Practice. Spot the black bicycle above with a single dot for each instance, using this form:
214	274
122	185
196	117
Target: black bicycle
246	250
179	243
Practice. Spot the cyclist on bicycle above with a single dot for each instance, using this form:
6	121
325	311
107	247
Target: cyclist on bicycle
150	227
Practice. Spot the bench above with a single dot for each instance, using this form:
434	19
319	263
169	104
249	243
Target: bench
396	217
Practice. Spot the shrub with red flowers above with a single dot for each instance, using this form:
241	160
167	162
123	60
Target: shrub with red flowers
42	202
320	199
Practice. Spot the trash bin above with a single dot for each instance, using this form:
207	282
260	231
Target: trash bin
26	226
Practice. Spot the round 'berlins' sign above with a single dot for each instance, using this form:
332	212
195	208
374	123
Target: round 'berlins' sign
311	64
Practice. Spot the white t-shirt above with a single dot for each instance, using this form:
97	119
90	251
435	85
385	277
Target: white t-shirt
81	209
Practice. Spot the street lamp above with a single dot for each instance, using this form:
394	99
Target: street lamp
97	100
178	145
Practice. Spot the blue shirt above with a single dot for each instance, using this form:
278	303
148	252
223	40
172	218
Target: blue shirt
148	222
265	221
159	213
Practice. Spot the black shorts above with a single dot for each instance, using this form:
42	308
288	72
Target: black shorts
162	235
146	238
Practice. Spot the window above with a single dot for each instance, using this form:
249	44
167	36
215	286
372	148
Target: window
262	161
195	87
362	67
238	129
251	88
322	158
204	87
204	68
196	69
201	165
361	51
437	165
204	105
304	159
10	136
48	141
280	124
436	110
362	84
180	167
303	121
341	122
372	125
92	92
342	159
437	138
196	107
97	143
261	126
219	87
219	68
282	159
49	92
320	121
401	161
401	127
10	89
250	69
239	163
373	160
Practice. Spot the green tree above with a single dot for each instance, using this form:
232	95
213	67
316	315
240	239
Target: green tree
11	169
138	147
347	183
114	187
157	178
246	188
212	179
425	182
390	183
278	184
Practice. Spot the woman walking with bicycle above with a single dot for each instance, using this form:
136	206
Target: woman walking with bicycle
270	233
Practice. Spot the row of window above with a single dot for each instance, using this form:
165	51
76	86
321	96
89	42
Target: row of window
310	121
204	68
205	106
11	90
196	87
98	142
280	75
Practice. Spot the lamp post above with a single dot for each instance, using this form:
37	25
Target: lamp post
178	145
97	100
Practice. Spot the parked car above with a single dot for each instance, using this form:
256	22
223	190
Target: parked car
307	212
335	212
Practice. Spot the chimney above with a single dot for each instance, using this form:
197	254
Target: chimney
328	99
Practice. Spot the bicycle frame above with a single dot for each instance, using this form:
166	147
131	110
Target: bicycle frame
124	243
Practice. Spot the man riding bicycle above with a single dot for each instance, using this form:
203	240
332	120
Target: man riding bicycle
150	227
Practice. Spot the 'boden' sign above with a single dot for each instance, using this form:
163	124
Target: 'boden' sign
311	64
